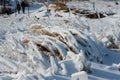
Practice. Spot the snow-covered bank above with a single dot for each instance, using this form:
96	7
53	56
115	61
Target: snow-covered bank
62	47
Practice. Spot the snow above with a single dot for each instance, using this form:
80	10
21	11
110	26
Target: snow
64	47
80	75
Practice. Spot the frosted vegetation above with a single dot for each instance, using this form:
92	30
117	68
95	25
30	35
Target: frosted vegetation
61	45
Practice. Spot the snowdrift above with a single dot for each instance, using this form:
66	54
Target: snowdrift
43	53
51	50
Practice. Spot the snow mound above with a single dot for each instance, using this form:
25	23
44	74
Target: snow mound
42	53
55	48
80	75
114	67
60	42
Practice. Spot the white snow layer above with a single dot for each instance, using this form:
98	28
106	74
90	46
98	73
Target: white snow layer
66	47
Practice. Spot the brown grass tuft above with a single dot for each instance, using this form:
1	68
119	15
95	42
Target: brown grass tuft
60	6
36	27
26	41
58	54
42	31
46	50
66	21
42	47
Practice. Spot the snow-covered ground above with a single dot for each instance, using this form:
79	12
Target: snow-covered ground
61	45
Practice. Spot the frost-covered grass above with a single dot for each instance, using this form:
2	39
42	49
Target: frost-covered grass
62	46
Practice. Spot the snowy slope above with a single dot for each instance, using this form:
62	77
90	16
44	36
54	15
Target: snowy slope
64	47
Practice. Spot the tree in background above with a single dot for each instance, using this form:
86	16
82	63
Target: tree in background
3	7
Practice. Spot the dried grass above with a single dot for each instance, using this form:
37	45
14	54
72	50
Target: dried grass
47	51
59	6
58	15
66	21
36	27
43	48
95	15
42	31
58	54
53	37
26	41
